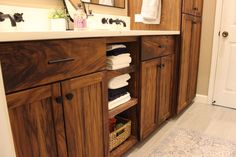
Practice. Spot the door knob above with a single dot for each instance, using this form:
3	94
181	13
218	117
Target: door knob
225	34
69	96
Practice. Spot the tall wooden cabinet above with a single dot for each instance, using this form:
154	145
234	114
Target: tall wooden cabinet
192	7
189	56
156	82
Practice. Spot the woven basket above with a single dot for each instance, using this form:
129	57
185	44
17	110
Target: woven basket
119	136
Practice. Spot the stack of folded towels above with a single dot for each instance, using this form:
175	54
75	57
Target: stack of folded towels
118	57
118	91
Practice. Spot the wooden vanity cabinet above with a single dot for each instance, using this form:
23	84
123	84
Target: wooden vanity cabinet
156	93
57	101
189	60
61	118
157	77
192	7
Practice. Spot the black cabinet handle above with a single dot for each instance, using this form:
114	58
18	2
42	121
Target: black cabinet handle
163	65
60	60
59	100
159	66
195	9
69	96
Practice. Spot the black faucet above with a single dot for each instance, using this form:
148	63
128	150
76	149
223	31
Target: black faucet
4	16
117	21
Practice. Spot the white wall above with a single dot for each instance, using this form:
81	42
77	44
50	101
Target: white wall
6	142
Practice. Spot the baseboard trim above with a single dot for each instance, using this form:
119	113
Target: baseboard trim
203	99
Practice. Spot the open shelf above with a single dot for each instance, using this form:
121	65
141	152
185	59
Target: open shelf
123	107
114	73
124	147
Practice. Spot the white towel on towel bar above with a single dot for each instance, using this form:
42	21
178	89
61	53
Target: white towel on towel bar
151	11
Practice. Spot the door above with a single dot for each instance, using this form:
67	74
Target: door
150	79
84	103
225	82
37	123
166	88
193	7
189	60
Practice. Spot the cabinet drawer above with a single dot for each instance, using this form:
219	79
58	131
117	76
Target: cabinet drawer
29	64
157	46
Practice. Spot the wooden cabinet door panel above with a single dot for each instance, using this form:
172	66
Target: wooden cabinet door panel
184	61
32	119
194	59
166	88
189	60
150	75
84	115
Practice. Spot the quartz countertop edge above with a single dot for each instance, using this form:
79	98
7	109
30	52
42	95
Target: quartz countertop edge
50	35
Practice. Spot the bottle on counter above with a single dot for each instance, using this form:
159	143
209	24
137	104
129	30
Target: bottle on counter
80	18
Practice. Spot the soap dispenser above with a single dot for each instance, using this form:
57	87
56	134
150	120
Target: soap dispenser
80	18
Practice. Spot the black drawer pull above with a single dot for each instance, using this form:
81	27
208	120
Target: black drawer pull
195	8
162	46
60	60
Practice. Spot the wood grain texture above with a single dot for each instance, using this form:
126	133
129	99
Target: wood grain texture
25	64
192	7
31	115
128	144
191	30
157	46
170	18
166	88
194	59
84	115
122	107
150	79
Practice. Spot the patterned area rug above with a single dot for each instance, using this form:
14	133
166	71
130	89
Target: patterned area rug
186	143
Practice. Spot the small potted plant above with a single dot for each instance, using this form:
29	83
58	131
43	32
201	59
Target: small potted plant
58	19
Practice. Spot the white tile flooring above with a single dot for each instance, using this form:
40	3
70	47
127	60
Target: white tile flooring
215	121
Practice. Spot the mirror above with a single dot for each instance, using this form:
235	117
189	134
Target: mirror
70	5
111	3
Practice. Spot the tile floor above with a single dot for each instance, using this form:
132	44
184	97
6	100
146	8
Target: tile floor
214	121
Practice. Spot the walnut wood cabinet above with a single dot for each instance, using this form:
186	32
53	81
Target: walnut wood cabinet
62	119
156	92
189	60
192	7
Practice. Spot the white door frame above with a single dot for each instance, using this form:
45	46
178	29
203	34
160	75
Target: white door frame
215	49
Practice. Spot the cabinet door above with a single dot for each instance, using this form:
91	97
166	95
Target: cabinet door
37	130
194	58
166	88
150	76
84	103
191	29
193	7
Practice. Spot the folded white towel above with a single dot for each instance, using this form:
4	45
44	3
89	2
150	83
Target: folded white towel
117	102
116	46
116	67
118	81
119	60
151	11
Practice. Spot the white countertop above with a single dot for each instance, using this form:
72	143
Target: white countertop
44	35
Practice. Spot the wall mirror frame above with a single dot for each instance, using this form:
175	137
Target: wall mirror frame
70	5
